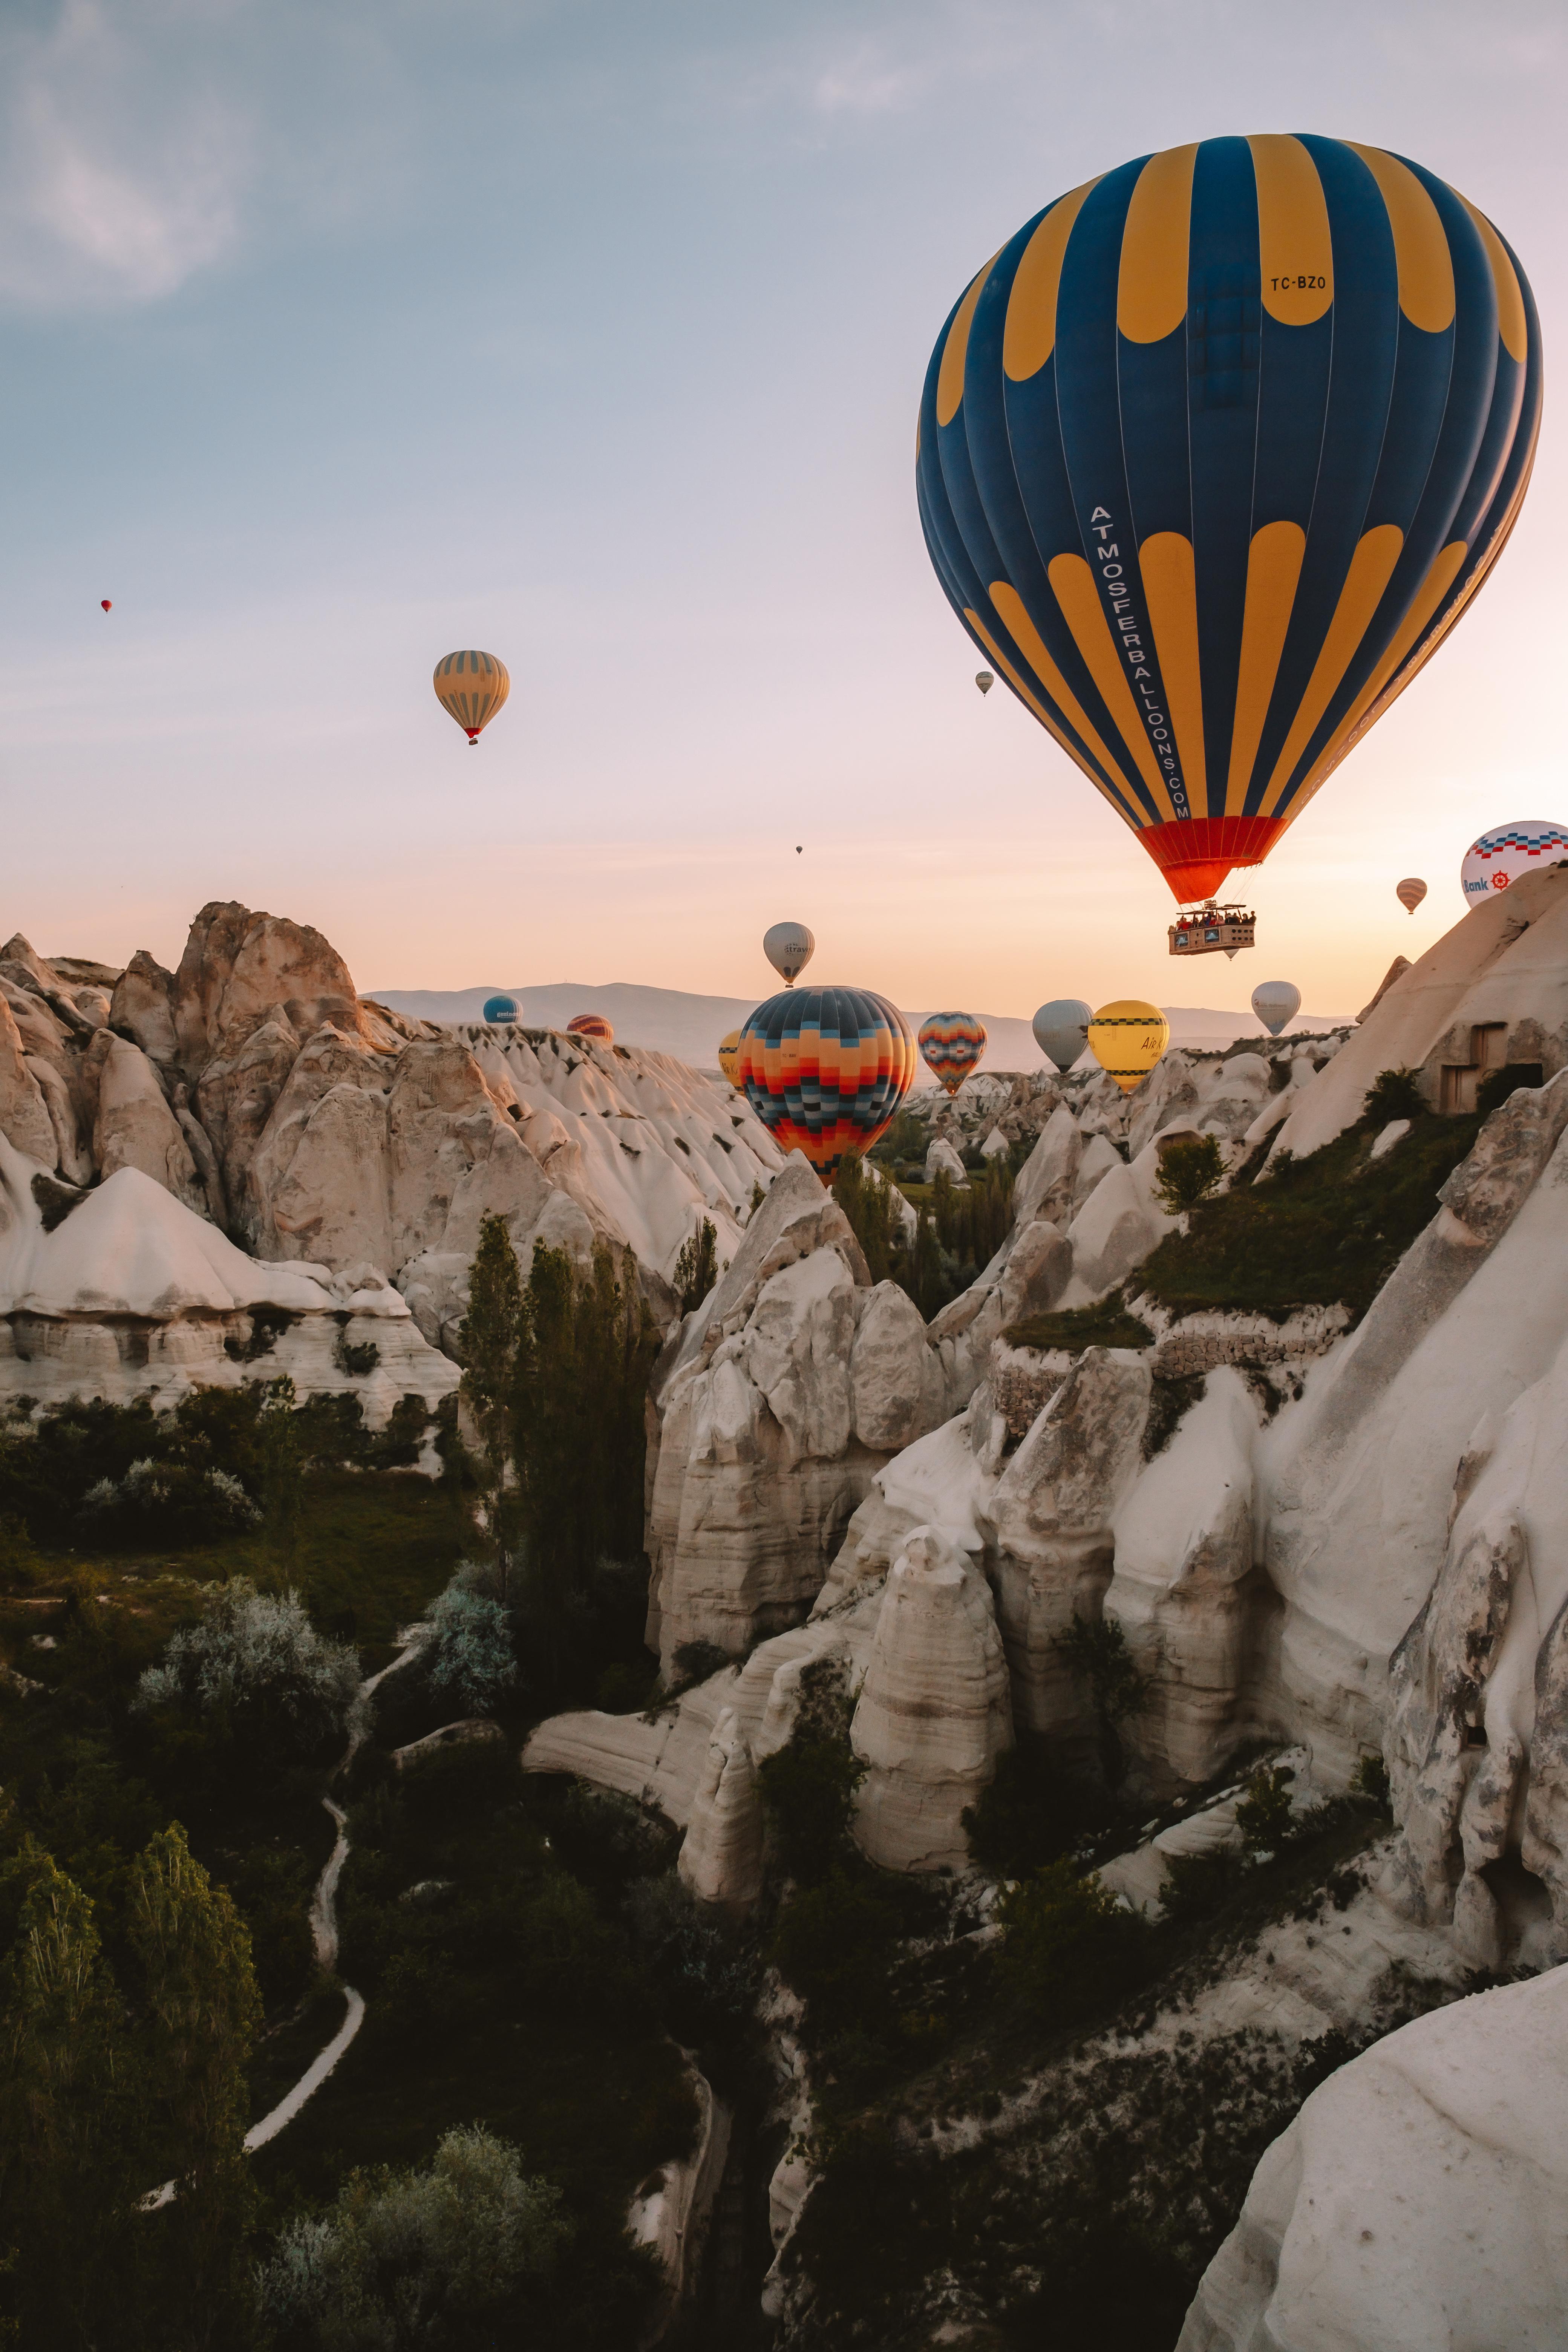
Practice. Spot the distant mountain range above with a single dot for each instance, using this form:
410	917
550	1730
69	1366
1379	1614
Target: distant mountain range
669	1021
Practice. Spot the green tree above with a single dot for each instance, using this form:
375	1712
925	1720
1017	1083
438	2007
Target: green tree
1097	1654
1067	1941
871	1203
696	1267
202	2012
489	1341
282	1465
1263	1816
69	2113
1190	1169
1393	1094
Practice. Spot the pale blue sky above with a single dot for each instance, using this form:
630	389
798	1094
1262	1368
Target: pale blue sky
335	336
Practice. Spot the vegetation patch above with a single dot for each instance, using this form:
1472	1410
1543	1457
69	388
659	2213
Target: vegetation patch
1322	1230
1107	1324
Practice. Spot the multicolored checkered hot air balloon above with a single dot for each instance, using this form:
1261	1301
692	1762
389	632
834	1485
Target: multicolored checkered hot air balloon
472	689
825	1068
953	1043
1213	454
592	1024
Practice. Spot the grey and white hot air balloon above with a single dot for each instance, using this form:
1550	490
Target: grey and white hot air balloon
985	679
1061	1030
789	948
1276	1002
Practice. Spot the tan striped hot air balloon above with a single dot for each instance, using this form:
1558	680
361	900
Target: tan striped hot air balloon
471	688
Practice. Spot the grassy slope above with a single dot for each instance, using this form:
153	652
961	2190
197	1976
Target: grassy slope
1316	1232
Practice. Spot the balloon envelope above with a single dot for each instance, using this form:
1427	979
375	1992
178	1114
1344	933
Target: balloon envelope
500	1008
1276	1002
107	604
1213	454
730	1057
1410	892
825	1068
789	948
1495	859
1061	1030
592	1024
1127	1038
472	687
953	1043
985	679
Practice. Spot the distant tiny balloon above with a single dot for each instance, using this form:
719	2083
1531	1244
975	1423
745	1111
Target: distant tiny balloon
797	848
985	679
730	1056
500	1008
590	1025
106	603
1276	1002
1061	1030
1127	1038
1410	892
789	948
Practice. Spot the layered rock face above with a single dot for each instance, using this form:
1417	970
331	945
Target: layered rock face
259	1090
1416	2200
934	1711
782	1393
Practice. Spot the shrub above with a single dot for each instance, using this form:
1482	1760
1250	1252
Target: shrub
1393	1094
168	1502
1067	1942
834	1945
1107	1324
697	1662
696	1267
1371	1782
1195	1884
1029	1814
1263	1816
419	2258
1096	1652
808	1792
257	1670
701	1971
469	1656
1189	1170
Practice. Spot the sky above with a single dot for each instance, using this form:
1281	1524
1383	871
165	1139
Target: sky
335	334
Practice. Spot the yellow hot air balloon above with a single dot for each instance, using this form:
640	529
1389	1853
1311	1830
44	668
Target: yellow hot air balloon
730	1056
470	687
1127	1039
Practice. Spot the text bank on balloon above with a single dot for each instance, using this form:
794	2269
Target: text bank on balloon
1211	454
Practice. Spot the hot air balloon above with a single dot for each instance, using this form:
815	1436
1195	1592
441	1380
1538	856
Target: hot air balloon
1213	454
1497	858
472	687
107	604
953	1043
1276	1002
1061	1030
730	1057
789	948
1410	892
825	1068
590	1025
985	679
1127	1039
500	1008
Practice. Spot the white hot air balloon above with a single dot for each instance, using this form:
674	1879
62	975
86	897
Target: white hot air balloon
789	948
1508	852
1061	1030
1410	892
1276	1002
985	679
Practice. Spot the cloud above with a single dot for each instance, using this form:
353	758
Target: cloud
122	172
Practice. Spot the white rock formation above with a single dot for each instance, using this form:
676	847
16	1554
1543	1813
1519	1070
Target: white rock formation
934	1712
134	1295
720	1856
941	1160
1415	2203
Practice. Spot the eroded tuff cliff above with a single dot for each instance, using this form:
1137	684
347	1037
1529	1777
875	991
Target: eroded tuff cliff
259	1090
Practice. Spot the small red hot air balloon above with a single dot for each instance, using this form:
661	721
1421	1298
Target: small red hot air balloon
105	603
592	1024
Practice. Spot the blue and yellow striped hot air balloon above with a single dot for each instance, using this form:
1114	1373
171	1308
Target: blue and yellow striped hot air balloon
471	688
1212	455
952	1044
825	1069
